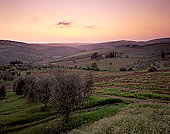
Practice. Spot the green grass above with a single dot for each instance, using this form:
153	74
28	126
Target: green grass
101	101
142	119
18	114
134	119
76	120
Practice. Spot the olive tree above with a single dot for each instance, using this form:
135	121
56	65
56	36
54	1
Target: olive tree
69	92
2	90
31	87
18	86
45	85
26	86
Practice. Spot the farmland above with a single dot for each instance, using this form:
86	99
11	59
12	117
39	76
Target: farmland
131	101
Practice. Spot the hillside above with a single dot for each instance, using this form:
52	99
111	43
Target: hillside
49	52
12	50
133	50
114	44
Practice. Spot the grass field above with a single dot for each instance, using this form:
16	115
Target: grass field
112	64
123	102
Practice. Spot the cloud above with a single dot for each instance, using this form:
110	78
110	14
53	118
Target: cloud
91	26
63	24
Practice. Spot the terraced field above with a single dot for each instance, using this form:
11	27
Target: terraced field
140	85
123	102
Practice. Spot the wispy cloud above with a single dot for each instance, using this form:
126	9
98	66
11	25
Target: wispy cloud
91	26
63	24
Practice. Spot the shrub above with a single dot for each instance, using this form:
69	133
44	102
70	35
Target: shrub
13	73
94	66
123	69
2	90
163	54
88	67
127	56
28	73
130	69
94	55
5	75
152	69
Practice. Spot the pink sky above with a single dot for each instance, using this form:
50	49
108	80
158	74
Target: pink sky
84	20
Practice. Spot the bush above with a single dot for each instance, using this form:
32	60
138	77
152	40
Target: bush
5	74
94	66
130	69
94	55
152	69
123	69
2	90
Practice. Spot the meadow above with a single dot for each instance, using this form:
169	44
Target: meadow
123	102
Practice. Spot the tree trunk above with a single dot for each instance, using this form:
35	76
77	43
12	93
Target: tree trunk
67	117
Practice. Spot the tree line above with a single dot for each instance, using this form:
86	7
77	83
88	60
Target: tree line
64	91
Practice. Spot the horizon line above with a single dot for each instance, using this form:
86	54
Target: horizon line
85	42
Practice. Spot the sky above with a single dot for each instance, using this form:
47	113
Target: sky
84	20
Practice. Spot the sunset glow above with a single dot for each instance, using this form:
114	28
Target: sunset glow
83	20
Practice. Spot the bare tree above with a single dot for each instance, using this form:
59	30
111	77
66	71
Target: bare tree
69	92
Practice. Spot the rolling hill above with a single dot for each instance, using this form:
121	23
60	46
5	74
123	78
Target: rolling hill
12	50
122	43
47	52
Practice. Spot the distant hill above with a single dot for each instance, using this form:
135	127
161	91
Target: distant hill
12	50
47	52
114	44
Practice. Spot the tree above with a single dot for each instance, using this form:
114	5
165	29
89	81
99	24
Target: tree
44	89
87	83
94	55
30	88
94	66
111	55
163	54
2	90
26	86
69	92
18	86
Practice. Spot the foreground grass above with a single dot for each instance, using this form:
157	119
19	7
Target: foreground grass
17	115
76	120
136	119
100	114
